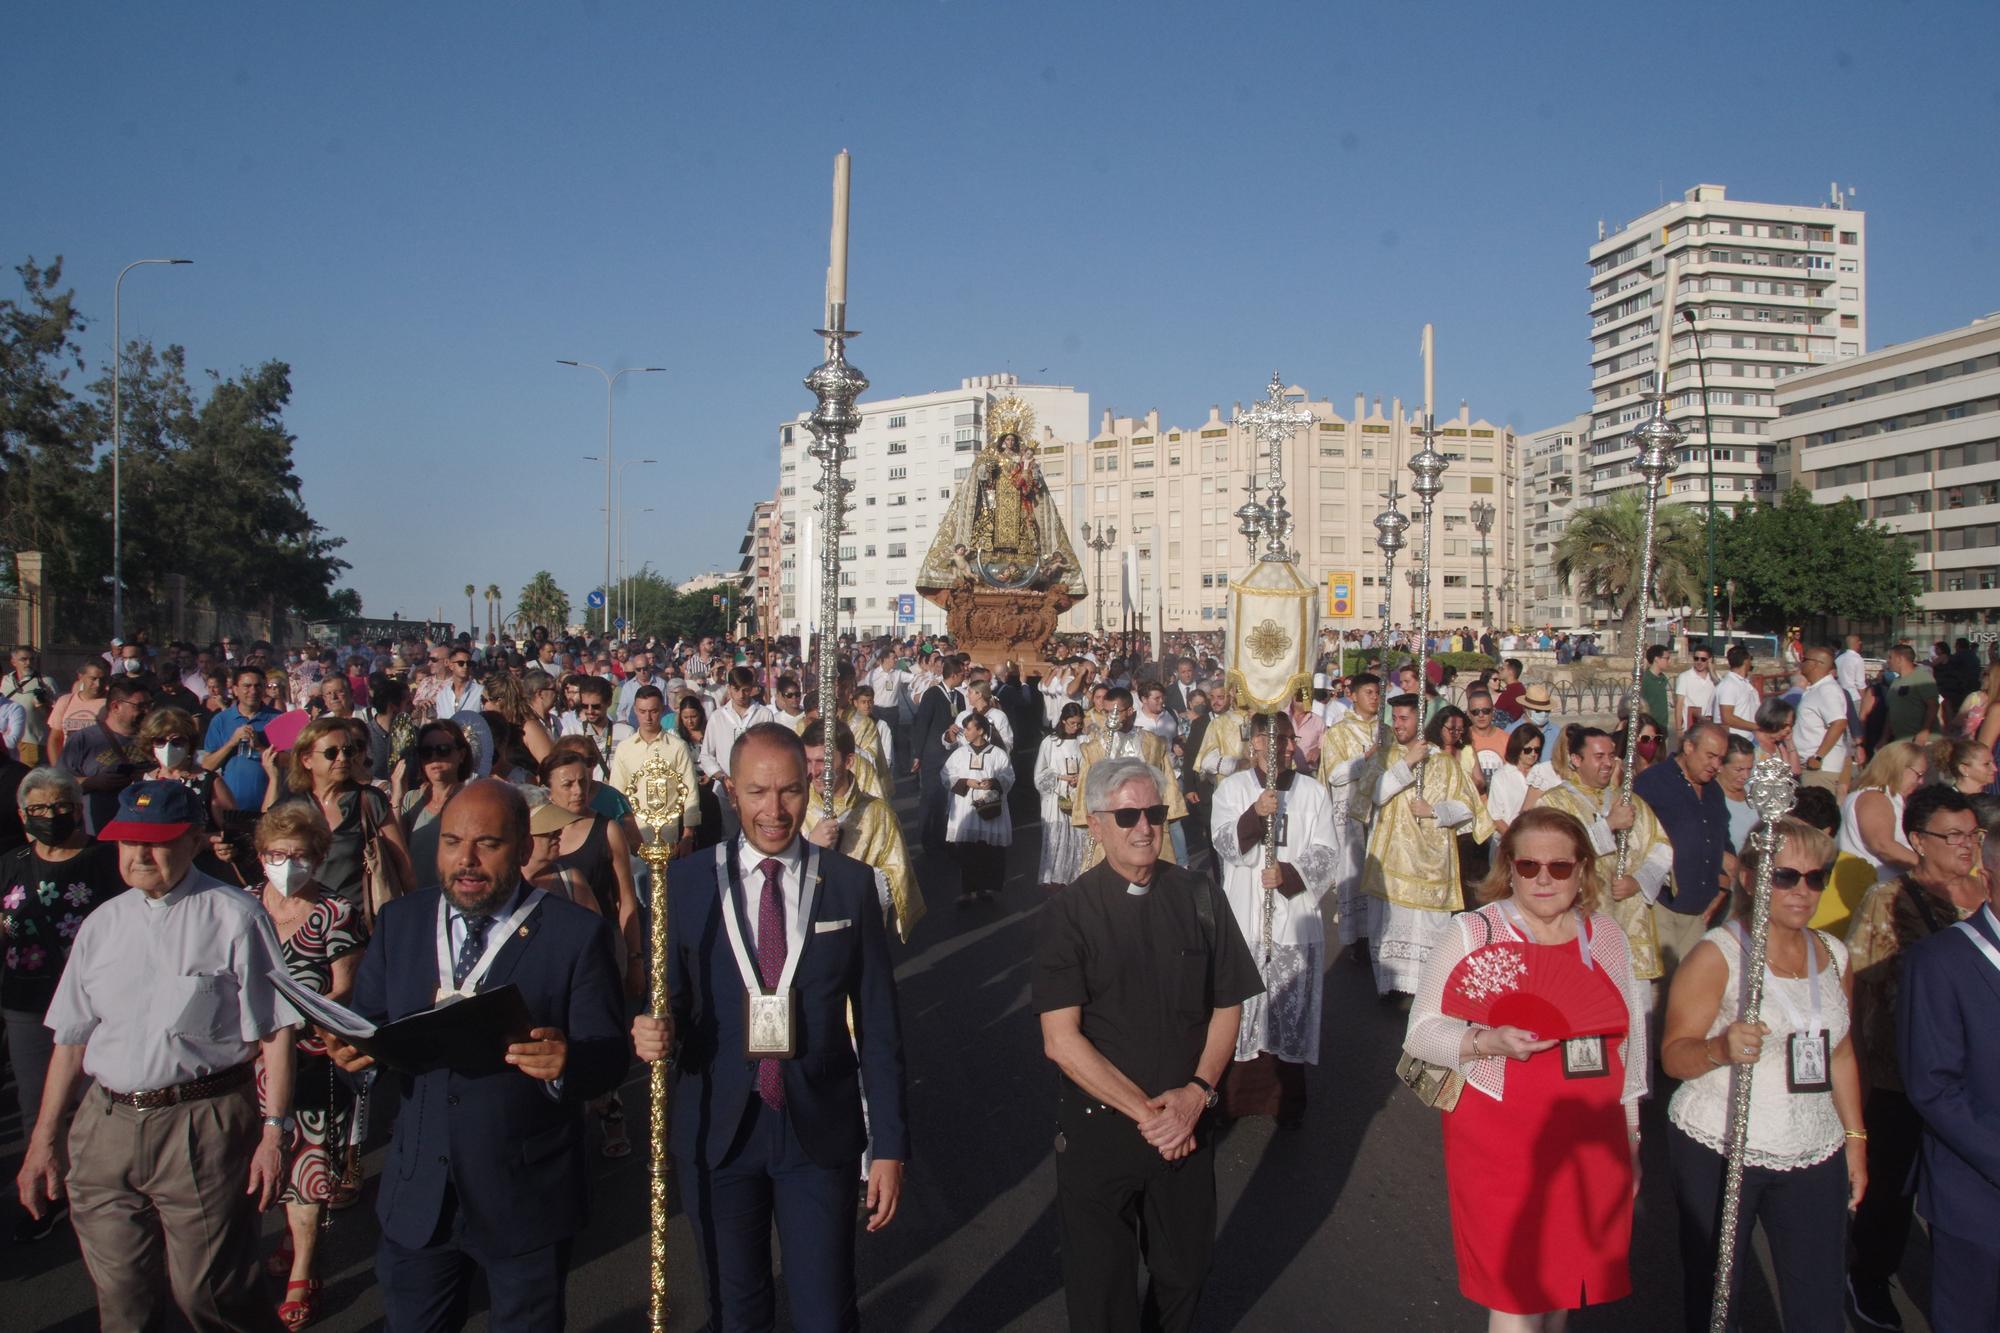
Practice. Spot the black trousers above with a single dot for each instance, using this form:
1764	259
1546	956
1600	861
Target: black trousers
429	1290
932	803
1120	1202
1882	1222
982	867
1804	1213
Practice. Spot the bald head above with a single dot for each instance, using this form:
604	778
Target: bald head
482	844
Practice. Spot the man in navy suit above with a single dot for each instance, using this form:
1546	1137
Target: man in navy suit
771	925
933	733
1948	1029
487	1167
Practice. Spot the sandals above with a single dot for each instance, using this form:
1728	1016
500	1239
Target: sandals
296	1313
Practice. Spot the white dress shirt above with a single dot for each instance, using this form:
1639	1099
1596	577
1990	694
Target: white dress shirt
450	703
1737	694
749	863
1852	673
725	724
1822	705
162	991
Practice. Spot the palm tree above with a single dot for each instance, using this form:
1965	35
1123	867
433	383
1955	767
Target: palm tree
492	607
471	625
543	603
1600	549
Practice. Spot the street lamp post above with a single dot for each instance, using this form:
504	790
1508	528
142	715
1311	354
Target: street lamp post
628	610
117	443
1482	523
1106	535
610	379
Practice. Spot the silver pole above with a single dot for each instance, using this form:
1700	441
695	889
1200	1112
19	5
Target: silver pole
1658	441
836	384
117	445
1427	467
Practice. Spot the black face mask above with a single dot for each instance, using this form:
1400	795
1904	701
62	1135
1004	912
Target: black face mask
49	830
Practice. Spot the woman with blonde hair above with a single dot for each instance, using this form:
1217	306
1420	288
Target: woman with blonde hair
1964	765
1806	1162
1873	848
328	764
1537	1236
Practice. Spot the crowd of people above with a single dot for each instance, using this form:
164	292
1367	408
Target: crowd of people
397	824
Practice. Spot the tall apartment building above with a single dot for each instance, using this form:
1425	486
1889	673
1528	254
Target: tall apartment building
907	457
1555	483
1774	289
1170	493
757	573
1913	433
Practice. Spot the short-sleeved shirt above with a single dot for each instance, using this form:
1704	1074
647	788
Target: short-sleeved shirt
1739	695
1696	691
243	774
1910	697
1822	705
93	752
1653	688
42	906
1698	826
1144	968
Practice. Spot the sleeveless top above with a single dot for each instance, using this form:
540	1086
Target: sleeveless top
1788	1130
591	863
1850	842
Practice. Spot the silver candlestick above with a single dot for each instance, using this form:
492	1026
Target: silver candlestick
1658	441
836	384
1427	468
1390	525
1771	789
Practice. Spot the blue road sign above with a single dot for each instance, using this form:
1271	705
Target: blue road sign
595	600
906	608
620	622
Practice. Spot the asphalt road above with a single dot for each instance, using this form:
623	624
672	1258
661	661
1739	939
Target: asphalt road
1342	1224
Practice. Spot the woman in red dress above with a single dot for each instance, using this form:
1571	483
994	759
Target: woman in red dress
1541	1150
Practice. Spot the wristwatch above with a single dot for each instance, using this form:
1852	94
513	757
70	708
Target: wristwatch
284	1124
1208	1090
1813	762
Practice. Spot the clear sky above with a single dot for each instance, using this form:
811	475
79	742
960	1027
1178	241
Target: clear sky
422	207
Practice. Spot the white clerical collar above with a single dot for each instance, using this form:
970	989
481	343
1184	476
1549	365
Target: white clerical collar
1138	890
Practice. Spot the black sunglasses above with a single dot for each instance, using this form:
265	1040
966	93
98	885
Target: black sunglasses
1784	877
1156	815
445	751
333	752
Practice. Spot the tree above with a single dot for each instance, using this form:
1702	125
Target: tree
1600	550
343	604
46	499
492	604
1798	561
542	602
660	608
471	624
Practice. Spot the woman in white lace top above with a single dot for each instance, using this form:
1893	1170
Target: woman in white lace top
1541	1150
1806	1158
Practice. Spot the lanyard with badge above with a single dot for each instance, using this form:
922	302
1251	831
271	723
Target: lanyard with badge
496	938
770	1018
1979	941
1808	1051
1583	1057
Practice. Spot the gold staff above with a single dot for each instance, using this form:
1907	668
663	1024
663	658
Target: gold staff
658	798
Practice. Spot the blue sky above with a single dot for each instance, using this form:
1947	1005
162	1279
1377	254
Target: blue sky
422	207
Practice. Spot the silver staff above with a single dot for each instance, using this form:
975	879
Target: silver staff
1390	525
1271	422
1658	441
1427	467
836	384
1770	789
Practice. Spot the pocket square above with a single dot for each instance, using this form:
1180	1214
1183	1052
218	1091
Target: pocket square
822	927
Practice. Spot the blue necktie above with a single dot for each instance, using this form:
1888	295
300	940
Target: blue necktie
474	945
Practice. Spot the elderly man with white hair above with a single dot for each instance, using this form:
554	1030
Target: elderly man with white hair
1140	979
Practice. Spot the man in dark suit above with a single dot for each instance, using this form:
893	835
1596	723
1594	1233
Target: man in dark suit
934	731
769	920
1182	687
1950	1047
486	1169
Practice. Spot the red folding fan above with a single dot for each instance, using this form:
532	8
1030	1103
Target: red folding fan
1546	991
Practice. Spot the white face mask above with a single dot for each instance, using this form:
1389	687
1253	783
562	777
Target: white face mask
171	757
1539	719
288	876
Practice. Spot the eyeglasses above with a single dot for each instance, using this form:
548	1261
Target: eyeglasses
1156	815
280	858
1558	870
461	661
1699	660
52	808
332	752
1961	838
445	751
1480	712
175	740
1784	877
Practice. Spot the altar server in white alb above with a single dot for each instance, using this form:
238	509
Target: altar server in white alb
979	775
1279	1034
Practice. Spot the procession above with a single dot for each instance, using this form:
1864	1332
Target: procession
1274	866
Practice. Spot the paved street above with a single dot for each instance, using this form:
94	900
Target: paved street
1342	1225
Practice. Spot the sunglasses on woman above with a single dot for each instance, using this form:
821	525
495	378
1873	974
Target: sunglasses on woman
1784	877
333	752
1156	815
445	751
1558	870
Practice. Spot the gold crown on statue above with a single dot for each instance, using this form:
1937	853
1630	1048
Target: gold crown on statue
1011	416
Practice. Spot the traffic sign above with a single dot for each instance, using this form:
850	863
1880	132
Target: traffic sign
906	608
619	623
595	599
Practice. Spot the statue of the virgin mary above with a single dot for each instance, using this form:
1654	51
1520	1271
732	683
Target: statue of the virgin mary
1002	530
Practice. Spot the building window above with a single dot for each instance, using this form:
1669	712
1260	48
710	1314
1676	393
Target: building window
898	422
899	446
898	550
899	474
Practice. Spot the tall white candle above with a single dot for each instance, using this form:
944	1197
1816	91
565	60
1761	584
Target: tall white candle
1430	372
1667	318
836	270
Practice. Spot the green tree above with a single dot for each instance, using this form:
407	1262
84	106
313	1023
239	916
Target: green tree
1600	550
46	499
660	608
1799	561
343	604
542	602
493	596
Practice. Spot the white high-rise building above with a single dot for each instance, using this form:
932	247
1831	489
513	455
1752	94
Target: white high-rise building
1555	483
1771	289
906	458
1912	432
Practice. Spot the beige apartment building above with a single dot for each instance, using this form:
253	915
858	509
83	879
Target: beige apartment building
1774	289
1555	483
1913	433
1170	493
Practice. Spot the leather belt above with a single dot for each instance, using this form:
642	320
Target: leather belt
195	1090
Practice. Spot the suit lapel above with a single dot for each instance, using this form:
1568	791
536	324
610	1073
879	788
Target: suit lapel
1980	963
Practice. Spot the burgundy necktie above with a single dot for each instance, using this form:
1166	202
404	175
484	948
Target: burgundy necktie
770	966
